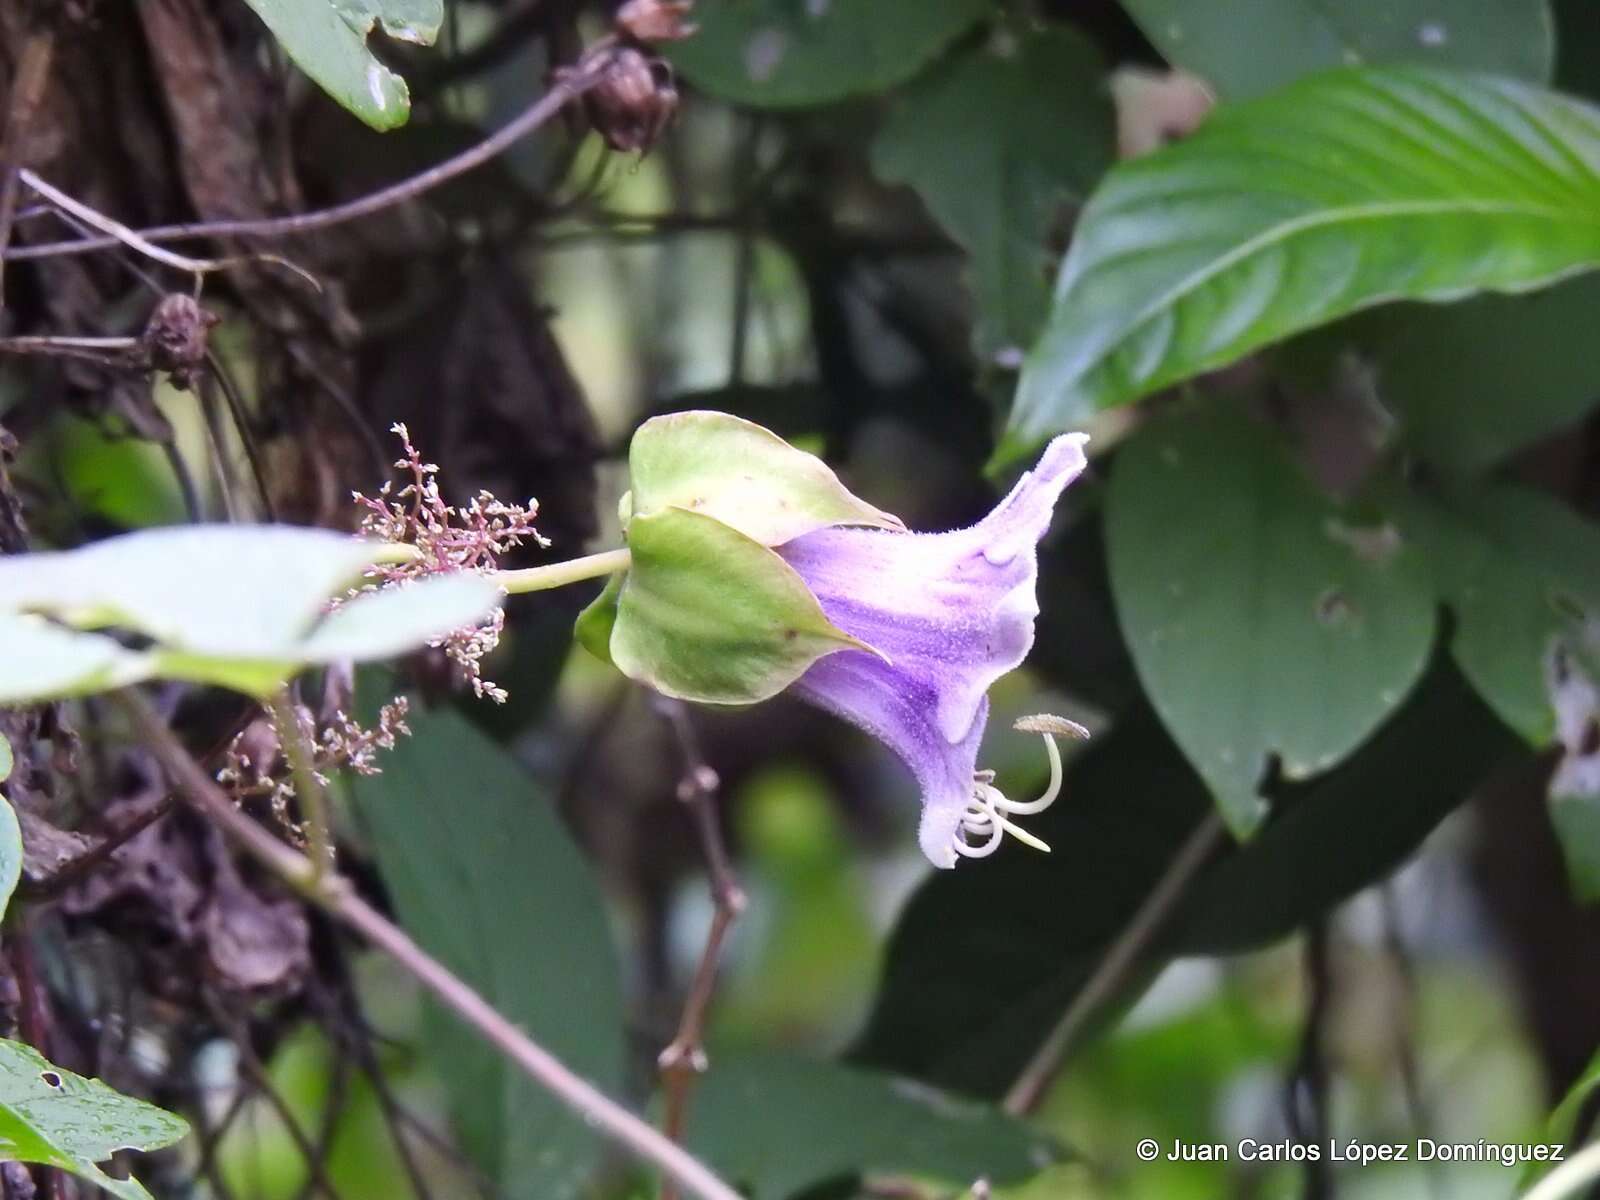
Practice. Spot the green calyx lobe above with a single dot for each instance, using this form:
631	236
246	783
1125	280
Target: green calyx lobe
742	475
707	611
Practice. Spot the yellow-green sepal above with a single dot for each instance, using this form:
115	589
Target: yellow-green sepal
741	474
594	624
707	613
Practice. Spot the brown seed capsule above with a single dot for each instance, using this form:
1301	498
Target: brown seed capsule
175	338
633	101
654	20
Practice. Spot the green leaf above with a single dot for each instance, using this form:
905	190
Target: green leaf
1266	623
1244	49
983	963
238	606
997	142
497	891
742	475
1516	567
1472	382
392	621
708	614
58	1119
7	763
595	623
327	39
1562	1128
786	53
751	1108
10	845
41	661
1345	190
227	590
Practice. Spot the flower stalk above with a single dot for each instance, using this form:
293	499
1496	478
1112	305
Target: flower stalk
574	570
300	755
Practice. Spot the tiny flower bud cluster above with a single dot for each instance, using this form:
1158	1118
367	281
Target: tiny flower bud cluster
254	766
448	538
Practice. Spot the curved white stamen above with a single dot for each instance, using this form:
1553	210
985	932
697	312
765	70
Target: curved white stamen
1024	808
972	824
984	815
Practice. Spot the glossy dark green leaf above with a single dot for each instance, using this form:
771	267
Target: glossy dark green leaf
983	963
1473	382
1516	568
776	1123
53	1117
483	875
1246	47
1342	191
1268	625
998	142
708	614
327	39
786	53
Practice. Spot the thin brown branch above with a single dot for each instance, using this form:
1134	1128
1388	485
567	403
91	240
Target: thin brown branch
256	1071
116	232
333	1110
34	1020
1118	962
33	68
393	1115
108	351
568	88
75	869
334	895
211	1140
222	378
684	1060
1307	1090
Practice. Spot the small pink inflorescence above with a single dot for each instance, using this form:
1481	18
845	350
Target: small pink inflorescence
447	538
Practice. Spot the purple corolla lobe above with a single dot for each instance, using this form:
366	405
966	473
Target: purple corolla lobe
951	613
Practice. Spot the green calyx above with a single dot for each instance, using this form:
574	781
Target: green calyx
707	611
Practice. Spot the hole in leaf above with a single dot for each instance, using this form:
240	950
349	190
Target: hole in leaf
51	1078
1568	606
1333	607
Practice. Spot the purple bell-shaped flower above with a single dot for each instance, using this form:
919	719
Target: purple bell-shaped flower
950	613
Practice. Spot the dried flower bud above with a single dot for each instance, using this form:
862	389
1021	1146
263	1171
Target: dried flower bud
634	100
655	20
175	338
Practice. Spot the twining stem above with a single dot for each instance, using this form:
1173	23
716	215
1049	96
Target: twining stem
684	1060
299	754
334	895
590	70
574	570
1113	969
